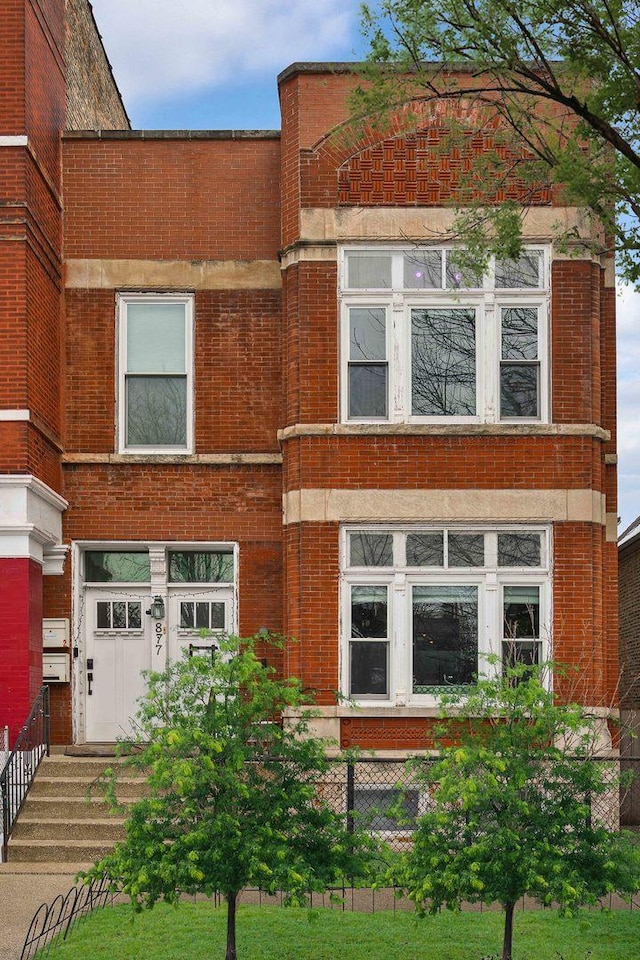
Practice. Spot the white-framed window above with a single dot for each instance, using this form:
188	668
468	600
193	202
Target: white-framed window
426	608
155	379
422	343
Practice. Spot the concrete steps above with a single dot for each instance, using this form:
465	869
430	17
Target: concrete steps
65	818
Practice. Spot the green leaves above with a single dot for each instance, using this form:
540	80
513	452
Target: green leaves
557	78
510	809
233	787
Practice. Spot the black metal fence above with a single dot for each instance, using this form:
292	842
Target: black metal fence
53	922
32	743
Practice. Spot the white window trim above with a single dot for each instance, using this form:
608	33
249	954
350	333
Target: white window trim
490	579
487	300
122	301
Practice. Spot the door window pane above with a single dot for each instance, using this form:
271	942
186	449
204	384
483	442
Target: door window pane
103	617
202	616
118	566
192	566
445	636
370	550
443	362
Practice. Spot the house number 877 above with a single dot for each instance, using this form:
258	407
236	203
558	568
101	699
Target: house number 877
159	628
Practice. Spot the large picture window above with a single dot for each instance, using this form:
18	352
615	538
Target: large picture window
155	403
427	609
424	342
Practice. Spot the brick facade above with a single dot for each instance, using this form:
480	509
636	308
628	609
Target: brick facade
249	229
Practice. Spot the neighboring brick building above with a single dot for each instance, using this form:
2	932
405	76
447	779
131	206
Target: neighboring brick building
264	394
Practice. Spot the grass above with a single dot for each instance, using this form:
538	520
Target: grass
197	931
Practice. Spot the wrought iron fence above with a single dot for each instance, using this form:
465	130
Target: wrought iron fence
32	743
53	922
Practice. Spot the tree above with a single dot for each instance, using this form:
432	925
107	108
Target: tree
557	82
234	792
512	804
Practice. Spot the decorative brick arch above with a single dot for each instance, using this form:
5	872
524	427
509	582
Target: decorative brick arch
410	166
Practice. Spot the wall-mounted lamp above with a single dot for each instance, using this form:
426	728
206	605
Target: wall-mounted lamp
156	610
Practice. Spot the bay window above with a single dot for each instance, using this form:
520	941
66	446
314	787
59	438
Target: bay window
424	341
427	608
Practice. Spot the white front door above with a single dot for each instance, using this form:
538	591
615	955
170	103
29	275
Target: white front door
124	640
120	646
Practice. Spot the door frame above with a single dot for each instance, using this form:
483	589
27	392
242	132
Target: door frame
158	586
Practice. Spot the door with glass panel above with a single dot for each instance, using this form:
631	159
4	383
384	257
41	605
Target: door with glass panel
200	585
118	651
119	646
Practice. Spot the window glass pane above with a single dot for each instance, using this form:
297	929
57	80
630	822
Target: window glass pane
524	272
466	549
368	669
156	411
370	550
425	549
119	615
375	804
202	616
367	334
103	617
192	566
519	390
443	362
368	390
187	620
368	611
521	612
135	615
445	636
217	616
519	550
515	652
156	337
423	269
369	271
458	275
520	333
119	566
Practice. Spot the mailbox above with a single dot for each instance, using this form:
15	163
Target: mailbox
55	668
55	632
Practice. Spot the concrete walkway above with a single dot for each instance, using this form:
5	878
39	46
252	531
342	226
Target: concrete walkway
23	887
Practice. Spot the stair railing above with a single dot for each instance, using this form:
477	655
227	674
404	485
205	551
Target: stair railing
32	743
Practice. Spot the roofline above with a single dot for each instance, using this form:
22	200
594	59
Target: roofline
171	135
106	57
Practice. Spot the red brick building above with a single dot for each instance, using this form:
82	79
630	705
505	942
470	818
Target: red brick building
244	378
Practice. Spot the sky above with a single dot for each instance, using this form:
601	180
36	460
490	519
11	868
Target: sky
212	65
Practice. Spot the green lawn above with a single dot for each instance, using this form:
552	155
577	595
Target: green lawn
195	931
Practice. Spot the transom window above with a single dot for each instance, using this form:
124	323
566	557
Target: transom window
423	342
155	383
423	608
201	566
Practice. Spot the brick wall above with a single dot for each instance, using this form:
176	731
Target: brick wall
630	624
171	198
93	99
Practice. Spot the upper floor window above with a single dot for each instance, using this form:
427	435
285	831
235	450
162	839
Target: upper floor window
155	373
422	342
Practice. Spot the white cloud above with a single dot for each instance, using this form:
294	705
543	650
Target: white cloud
164	48
628	304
